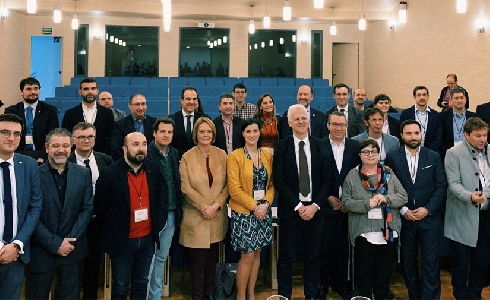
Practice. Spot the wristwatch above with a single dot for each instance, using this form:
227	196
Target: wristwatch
17	247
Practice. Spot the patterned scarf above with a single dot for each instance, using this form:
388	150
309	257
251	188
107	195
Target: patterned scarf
381	187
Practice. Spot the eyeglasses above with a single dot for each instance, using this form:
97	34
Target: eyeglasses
82	138
336	125
367	152
240	92
7	133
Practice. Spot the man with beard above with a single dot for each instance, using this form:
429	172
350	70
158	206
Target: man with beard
422	175
131	197
59	242
91	112
38	116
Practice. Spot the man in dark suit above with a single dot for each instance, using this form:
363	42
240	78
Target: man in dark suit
168	157
355	118
184	120
93	113
132	199
453	120
317	121
483	111
343	152
428	118
21	172
302	192
39	119
228	128
422	175
59	242
84	136
137	121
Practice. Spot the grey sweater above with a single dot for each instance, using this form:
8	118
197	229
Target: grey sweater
355	198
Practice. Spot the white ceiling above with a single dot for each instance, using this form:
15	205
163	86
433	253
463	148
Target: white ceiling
346	11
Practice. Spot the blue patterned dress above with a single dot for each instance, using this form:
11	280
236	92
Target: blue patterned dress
247	232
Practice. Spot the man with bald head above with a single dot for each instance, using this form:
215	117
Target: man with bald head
317	121
130	232
105	99
359	99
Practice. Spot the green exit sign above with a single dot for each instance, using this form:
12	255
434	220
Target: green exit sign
47	30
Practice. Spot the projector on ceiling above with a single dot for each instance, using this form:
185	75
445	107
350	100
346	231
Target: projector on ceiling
205	25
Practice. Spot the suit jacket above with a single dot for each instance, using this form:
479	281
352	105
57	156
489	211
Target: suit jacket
394	127
180	141
429	189
125	126
104	124
317	124
355	124
29	201
112	204
45	120
220	140
286	177
433	135
350	160
447	129
462	215
483	111
389	142
57	222
173	154
443	94
103	160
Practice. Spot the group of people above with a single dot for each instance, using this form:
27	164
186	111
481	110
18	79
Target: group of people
125	185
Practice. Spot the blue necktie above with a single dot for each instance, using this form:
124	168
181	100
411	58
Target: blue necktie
29	121
8	229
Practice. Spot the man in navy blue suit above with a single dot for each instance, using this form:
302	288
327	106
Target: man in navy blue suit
317	121
422	175
23	175
428	118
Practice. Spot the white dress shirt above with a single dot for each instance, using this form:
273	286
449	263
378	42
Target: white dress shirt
93	167
13	183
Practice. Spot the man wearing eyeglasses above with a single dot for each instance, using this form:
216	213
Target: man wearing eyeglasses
21	200
243	109
39	118
373	118
137	121
335	246
354	116
84	140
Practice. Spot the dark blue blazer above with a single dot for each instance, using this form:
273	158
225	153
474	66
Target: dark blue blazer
286	178
124	127
355	124
429	189
57	222
220	140
29	200
433	135
112	204
173	154
317	124
180	141
447	130
483	111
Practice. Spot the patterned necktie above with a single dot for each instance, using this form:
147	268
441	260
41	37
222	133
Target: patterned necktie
304	176
29	121
8	229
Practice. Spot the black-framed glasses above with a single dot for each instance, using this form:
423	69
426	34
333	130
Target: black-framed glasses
367	152
335	125
7	133
82	138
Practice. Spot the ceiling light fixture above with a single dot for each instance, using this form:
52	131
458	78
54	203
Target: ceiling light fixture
333	25
4	12
461	6
267	18
167	14
57	14
362	18
74	20
31	6
402	13
251	25
318	4
286	11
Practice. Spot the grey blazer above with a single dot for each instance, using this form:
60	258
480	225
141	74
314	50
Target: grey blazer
462	215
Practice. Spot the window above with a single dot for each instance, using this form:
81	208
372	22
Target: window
81	50
317	54
272	53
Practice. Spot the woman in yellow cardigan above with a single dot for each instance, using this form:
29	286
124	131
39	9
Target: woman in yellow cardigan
252	193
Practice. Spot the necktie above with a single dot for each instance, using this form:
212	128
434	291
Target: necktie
210	176
29	121
342	111
304	176
8	229
188	128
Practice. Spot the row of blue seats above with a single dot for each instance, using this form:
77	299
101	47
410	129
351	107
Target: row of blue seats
205	81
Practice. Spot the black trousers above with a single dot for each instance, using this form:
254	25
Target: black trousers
202	263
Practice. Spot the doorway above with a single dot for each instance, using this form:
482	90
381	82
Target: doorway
46	63
345	64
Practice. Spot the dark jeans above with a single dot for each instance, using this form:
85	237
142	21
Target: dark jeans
203	265
133	264
373	265
470	264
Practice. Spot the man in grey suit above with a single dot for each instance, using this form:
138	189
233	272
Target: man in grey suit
19	172
373	118
59	242
467	220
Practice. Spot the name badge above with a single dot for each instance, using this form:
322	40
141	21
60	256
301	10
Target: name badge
229	212
375	214
259	195
29	140
140	215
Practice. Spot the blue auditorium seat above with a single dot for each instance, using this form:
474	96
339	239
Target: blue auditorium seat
76	80
284	91
320	82
176	91
286	81
180	81
214	81
250	82
268	82
303	81
130	90
283	103
120	80
157	91
159	81
103	80
53	101
204	90
157	107
218	91
231	81
196	81
116	91
140	80
259	90
66	91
